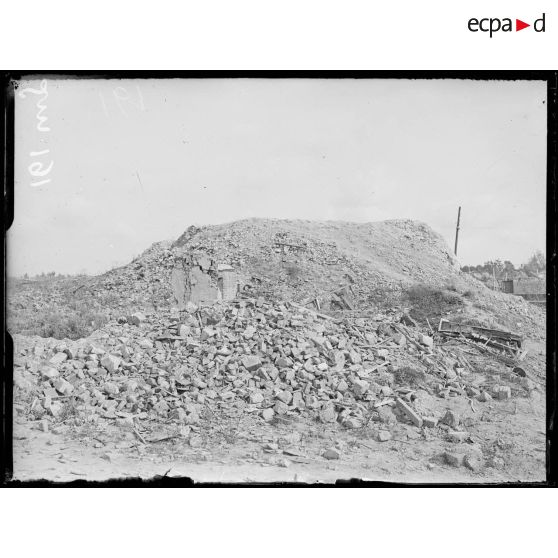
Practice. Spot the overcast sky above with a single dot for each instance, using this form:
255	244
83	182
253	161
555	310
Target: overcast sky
139	161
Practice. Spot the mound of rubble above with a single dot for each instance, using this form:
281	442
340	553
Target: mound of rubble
335	265
332	267
339	265
273	361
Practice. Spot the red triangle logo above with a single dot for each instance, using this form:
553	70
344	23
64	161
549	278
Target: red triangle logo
519	25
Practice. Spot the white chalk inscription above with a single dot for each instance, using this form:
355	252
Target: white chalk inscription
42	165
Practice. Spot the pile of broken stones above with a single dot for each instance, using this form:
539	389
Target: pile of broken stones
272	360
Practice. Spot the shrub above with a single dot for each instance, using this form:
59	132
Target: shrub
452	287
470	294
408	376
58	323
293	271
430	302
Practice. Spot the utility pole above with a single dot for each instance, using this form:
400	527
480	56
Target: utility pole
457	230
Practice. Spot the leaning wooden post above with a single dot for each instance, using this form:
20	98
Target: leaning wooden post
457	230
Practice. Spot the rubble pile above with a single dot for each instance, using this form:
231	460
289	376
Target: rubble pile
291	260
142	283
305	261
337	332
328	266
275	361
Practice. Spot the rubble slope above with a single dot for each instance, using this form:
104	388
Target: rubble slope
329	266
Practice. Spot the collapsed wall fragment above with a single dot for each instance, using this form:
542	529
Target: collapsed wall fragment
199	279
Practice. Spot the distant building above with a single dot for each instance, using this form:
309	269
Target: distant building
530	288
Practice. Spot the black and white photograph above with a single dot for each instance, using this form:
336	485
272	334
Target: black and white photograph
279	279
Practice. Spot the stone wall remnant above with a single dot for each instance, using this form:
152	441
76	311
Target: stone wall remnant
198	279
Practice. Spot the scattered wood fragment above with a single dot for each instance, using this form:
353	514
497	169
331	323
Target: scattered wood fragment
141	438
164	438
430	327
522	356
403	330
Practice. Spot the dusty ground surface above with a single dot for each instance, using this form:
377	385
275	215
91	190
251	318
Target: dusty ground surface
509	434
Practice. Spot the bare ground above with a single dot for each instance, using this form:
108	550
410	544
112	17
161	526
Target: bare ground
510	434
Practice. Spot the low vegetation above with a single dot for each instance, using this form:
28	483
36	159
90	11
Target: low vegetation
428	302
51	306
70	323
413	377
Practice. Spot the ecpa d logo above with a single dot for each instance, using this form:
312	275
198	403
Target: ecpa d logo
493	25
